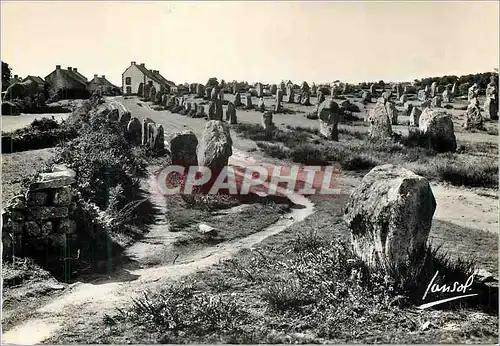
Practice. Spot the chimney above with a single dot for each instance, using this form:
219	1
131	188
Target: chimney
95	76
155	71
70	68
58	67
133	63
16	76
75	69
142	64
103	76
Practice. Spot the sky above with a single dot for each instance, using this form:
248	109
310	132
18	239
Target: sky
253	41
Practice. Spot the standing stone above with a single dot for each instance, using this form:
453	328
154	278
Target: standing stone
260	105
158	97
329	117
314	89
248	100
305	100
373	89
380	120
282	87
454	89
399	91
134	129
199	90
145	91
386	95
208	92
415	116
321	97
390	216
212	115
221	95
366	97
183	146
473	119
273	88
425	104
421	95
231	113
219	110
473	92
145	130
201	112
237	100
236	87
447	95
304	87
158	139
260	89
290	96
436	101
164	99
334	91
403	99
216	145
213	94
279	98
491	103
438	126
152	94
267	121
433	89
407	108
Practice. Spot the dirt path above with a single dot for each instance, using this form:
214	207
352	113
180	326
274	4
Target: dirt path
91	300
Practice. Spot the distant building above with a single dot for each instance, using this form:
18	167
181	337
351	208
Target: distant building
38	81
136	76
66	84
102	84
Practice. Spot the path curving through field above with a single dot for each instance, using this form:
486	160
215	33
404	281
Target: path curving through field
85	301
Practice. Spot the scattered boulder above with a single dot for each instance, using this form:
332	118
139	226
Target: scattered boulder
183	146
366	97
329	117
438	127
436	102
305	99
231	113
390	216
216	145
473	118
415	116
134	129
407	108
380	120
237	100
267	121
260	105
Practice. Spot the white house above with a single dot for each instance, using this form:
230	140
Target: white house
137	75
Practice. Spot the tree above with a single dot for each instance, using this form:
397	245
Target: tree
212	83
6	75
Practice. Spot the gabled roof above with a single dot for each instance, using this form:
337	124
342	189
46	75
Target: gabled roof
80	75
163	79
36	79
102	81
157	77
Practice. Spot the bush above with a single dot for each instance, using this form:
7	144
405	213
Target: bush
103	159
41	133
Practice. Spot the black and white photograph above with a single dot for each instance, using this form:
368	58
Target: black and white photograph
250	172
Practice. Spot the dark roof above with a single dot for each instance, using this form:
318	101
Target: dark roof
102	81
157	77
77	76
64	79
36	79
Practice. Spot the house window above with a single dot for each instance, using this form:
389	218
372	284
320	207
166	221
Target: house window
129	90
128	81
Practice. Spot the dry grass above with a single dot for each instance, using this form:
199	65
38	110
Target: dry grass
298	287
356	152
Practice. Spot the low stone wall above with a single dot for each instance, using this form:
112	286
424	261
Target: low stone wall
39	223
